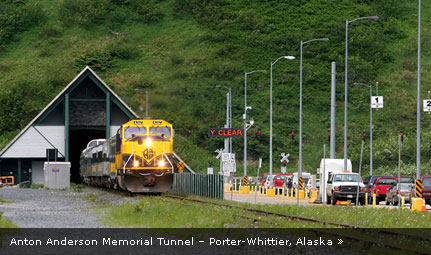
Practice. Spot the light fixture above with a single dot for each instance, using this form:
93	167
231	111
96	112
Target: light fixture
148	142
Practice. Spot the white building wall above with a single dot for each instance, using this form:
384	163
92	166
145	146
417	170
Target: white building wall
32	145
37	172
114	130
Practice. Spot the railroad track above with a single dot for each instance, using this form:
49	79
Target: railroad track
357	238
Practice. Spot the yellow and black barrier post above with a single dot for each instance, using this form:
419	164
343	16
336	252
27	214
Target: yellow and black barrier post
245	188
301	188
418	188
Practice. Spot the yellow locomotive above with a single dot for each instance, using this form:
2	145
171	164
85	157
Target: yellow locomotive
139	158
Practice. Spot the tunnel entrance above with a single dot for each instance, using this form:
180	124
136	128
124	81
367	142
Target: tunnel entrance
78	140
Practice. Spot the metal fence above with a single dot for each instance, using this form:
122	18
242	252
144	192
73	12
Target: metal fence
205	185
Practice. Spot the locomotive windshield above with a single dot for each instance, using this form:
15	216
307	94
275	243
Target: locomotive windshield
165	131
128	131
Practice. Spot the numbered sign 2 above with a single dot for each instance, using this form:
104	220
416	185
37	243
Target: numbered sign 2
427	105
377	102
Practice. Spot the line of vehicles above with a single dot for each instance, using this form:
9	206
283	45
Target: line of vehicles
339	184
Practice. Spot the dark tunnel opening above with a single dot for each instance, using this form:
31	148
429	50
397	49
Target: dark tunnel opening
78	140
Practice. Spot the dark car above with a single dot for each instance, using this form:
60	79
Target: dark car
426	188
405	190
381	186
407	179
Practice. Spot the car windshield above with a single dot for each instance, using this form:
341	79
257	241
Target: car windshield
281	177
347	178
406	186
426	182
387	181
128	131
407	180
165	131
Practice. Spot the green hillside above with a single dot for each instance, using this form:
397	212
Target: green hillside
179	50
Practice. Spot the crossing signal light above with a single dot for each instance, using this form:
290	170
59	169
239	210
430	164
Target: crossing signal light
364	135
293	135
402	136
329	137
257	133
284	163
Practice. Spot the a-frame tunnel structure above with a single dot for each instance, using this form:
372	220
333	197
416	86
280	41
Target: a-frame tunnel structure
85	109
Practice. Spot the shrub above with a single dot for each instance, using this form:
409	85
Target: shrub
98	60
123	49
84	12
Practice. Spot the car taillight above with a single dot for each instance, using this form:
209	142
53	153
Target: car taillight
363	189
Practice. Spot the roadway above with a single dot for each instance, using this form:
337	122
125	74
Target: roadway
264	199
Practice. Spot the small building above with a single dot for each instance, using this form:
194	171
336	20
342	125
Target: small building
85	109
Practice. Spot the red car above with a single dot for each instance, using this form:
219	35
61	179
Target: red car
426	188
277	178
381	186
280	179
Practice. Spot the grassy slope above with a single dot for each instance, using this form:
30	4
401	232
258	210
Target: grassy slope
181	58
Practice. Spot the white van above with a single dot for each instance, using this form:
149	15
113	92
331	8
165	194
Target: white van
330	166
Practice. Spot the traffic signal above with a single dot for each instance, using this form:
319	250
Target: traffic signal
402	136
293	135
364	135
329	137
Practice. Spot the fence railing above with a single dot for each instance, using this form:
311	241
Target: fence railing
206	185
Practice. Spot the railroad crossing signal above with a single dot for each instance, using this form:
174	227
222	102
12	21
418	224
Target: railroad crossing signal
418	188
284	157
220	152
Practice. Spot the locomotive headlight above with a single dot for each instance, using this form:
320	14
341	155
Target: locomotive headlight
148	142
135	163
161	163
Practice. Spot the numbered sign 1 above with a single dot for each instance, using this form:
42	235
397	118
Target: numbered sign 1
377	102
427	105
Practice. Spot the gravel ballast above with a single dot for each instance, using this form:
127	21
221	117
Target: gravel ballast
43	208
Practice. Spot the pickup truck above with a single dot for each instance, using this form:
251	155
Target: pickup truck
381	186
344	186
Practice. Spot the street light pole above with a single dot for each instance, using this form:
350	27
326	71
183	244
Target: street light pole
418	109
371	124
270	118
245	117
300	103
228	116
345	82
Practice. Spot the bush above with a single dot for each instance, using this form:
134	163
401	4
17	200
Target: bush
86	13
97	60
123	49
18	16
13	113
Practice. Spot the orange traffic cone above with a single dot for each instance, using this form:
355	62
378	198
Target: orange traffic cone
338	202
424	206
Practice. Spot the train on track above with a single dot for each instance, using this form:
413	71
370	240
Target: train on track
138	159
